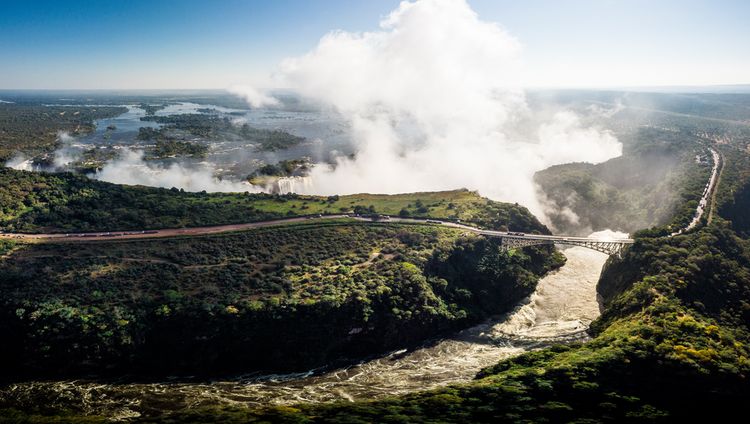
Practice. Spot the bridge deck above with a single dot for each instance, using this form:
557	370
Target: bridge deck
556	239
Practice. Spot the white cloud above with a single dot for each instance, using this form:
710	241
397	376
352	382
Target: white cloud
253	96
433	101
65	154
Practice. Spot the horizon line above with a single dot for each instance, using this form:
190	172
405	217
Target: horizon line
530	87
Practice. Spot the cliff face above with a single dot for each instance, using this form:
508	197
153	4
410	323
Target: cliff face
617	276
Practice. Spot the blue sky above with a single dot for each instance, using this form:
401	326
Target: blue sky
217	43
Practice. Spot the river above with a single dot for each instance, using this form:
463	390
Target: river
325	132
560	310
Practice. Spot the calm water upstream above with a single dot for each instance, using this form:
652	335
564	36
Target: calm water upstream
560	309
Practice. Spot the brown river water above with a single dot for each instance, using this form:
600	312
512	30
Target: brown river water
559	310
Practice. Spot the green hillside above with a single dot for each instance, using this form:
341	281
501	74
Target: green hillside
44	202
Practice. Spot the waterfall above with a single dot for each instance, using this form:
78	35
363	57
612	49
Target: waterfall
285	185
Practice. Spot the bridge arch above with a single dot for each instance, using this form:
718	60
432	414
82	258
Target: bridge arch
608	247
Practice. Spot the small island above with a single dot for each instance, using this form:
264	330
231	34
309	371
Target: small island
151	109
172	148
168	145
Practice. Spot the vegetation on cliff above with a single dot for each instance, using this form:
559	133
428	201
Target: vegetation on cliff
655	182
279	299
284	168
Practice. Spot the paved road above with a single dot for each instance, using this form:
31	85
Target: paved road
708	196
172	232
168	232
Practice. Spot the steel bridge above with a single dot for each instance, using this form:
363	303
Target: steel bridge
509	240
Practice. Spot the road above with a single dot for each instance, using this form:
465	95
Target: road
167	232
217	229
708	197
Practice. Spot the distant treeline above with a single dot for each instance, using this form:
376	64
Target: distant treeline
32	129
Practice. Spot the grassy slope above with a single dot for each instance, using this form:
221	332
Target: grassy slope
37	202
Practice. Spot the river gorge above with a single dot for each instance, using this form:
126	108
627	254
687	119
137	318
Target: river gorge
560	310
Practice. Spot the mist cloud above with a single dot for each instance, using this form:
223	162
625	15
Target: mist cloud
20	162
432	98
130	168
253	96
62	157
66	153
